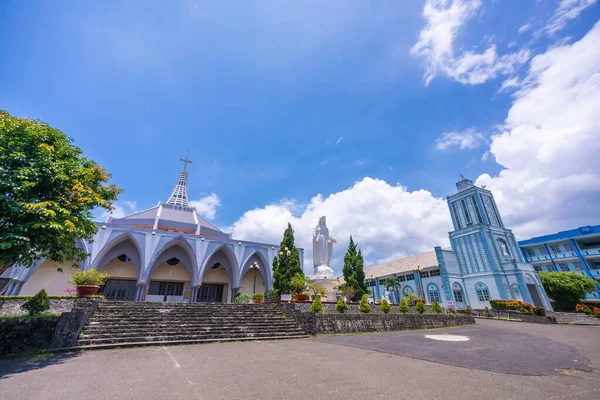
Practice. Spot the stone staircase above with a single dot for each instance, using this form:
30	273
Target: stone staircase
128	324
572	318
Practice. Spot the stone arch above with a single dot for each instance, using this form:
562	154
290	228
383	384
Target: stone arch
265	269
232	272
431	289
482	292
407	289
458	294
122	244
178	248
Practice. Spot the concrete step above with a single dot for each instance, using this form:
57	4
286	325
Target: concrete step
155	338
158	333
127	328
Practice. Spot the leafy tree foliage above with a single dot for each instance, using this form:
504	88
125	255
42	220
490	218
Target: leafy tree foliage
341	305
47	193
37	304
354	274
364	306
403	306
385	306
287	264
394	284
420	306
317	305
566	288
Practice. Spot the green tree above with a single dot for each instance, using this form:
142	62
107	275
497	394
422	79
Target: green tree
436	308
364	306
354	274
394	284
341	305
317	305
385	306
287	264
566	288
420	306
47	193
403	306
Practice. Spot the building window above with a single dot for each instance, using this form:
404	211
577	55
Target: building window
564	267
530	252
458	297
537	268
456	216
402	278
568	247
577	266
424	274
434	293
555	249
123	258
410	277
467	216
382	282
477	210
435	272
482	291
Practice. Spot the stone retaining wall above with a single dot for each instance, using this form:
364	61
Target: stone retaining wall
24	335
13	307
355	323
352	307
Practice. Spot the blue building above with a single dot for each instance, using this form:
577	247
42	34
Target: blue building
575	250
484	262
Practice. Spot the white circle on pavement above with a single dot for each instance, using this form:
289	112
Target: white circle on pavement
448	338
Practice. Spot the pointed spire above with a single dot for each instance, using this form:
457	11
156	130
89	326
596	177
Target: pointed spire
179	195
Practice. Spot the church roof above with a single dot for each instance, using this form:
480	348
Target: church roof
175	214
403	265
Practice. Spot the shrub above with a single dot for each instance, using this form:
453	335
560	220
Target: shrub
566	288
347	291
451	311
318	289
469	310
316	306
385	306
403	306
539	311
436	308
588	311
486	311
364	306
597	312
411	298
37	304
90	277
299	283
341	305
272	294
242	298
258	296
581	308
524	310
420	306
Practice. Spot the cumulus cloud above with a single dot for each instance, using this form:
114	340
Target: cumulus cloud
549	146
386	221
436	45
207	205
566	11
467	139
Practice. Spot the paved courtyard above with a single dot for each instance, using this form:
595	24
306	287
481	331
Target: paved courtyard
501	360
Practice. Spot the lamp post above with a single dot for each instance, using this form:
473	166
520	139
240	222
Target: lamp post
254	267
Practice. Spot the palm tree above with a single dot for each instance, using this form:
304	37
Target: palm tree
393	283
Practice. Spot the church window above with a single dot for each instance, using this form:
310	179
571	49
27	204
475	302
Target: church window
424	274
477	210
564	267
123	258
456	216
458	296
434	295
382	282
173	261
410	277
466	211
435	272
482	291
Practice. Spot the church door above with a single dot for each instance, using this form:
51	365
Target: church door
210	294
535	295
119	290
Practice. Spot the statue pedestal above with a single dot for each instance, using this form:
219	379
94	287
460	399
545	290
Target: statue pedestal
327	283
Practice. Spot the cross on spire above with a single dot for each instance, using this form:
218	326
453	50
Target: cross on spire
461	175
186	161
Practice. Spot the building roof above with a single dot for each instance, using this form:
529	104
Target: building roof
563	235
403	265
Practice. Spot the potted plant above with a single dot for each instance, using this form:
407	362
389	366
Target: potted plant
298	284
88	282
258	298
347	292
242	298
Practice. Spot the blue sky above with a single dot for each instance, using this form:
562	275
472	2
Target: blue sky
278	102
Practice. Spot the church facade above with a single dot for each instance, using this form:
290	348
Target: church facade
166	253
483	264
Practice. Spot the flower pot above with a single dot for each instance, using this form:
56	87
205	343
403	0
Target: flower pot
301	297
257	301
348	301
87	291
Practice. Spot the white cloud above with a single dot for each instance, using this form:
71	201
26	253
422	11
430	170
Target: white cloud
436	44
207	206
359	163
566	11
120	209
385	220
549	147
339	140
525	28
467	139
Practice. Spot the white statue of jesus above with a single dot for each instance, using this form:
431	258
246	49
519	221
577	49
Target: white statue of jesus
322	249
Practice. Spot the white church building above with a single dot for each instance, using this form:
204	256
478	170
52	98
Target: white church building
165	253
484	262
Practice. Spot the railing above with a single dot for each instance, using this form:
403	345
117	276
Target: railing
538	258
590	252
569	254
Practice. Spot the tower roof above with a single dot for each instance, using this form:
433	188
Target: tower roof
179	194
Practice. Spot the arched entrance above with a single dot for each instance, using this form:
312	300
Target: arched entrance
47	276
170	277
253	278
533	289
216	278
459	296
121	260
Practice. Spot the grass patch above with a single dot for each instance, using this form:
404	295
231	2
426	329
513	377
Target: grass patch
39	357
25	316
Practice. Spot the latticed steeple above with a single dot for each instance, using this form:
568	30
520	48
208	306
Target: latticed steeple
179	196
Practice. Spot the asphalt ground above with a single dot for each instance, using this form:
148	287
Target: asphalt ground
502	360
